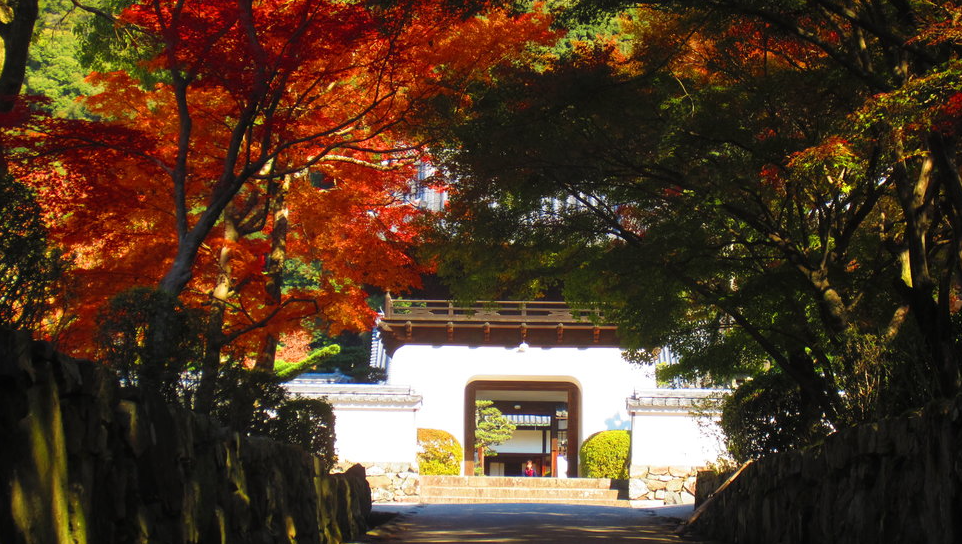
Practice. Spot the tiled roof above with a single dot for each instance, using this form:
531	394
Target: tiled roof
529	420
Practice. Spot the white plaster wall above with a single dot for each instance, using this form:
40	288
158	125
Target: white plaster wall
524	441
379	436
672	439
440	375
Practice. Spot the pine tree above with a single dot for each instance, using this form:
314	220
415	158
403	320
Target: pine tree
491	428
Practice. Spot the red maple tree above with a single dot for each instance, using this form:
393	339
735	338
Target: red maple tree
279	131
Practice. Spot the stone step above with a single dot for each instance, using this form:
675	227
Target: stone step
497	489
620	503
516	492
511	481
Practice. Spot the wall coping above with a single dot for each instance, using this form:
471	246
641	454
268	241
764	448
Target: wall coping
358	396
669	400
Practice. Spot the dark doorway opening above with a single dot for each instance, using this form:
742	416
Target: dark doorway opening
545	413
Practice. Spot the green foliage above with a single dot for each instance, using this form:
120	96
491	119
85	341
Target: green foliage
491	427
245	399
106	45
54	69
583	30
70	41
768	414
288	371
255	402
348	353
29	268
308	423
152	340
440	453
882	377
353	350
692	187
605	455
354	358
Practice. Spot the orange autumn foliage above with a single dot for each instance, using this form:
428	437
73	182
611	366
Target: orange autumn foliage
253	94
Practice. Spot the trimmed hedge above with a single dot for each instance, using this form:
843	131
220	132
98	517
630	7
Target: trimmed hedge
605	455
440	453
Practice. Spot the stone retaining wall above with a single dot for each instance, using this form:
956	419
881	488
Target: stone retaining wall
897	481
392	482
707	482
84	460
669	484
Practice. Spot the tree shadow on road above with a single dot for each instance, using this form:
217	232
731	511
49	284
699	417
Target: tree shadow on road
509	524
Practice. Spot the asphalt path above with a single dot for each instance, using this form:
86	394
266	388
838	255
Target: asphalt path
529	523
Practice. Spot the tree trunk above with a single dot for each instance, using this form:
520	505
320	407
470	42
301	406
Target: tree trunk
216	339
15	34
918	286
275	266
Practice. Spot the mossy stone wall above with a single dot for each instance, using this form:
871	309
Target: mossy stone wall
83	460
898	481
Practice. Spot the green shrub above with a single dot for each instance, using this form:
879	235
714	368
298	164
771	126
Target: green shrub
308	423
440	453
151	340
250	401
29	267
255	402
605	455
767	414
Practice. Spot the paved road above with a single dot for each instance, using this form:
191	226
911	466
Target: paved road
528	523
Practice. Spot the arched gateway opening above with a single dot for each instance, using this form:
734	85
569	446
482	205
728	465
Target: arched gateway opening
547	418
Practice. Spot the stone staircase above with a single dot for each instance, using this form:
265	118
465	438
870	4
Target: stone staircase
500	489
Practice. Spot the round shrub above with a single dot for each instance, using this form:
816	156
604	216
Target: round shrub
439	453
308	423
605	455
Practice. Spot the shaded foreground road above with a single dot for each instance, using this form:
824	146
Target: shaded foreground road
528	523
